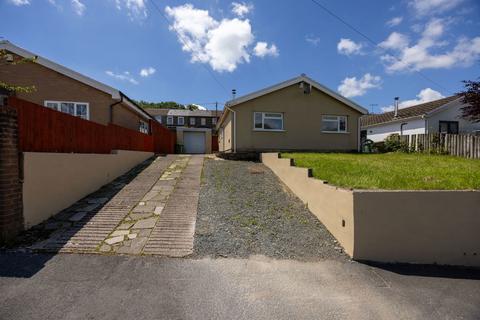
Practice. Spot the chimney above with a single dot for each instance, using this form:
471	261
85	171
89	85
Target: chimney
395	106
234	93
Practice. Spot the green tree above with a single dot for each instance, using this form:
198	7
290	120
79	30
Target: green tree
471	97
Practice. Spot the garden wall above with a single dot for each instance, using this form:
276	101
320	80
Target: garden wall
54	181
391	226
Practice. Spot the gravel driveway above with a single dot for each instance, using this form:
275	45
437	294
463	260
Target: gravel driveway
245	210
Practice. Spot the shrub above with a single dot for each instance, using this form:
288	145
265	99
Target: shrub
393	143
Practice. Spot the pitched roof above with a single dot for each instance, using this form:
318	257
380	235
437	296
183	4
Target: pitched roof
405	113
115	93
193	113
157	111
301	78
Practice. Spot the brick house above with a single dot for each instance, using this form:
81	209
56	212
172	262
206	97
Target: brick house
68	91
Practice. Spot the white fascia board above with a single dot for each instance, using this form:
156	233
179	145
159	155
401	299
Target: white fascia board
291	82
6	45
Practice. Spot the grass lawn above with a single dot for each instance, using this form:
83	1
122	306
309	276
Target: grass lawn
394	171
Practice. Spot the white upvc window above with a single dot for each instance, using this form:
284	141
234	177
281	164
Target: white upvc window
143	127
214	121
77	109
203	121
268	121
181	121
169	120
192	121
334	124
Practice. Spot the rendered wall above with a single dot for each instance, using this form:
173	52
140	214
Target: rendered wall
381	132
54	181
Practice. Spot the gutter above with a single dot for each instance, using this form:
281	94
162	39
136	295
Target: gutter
113	105
135	105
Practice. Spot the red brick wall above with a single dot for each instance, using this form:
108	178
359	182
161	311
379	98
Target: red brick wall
11	213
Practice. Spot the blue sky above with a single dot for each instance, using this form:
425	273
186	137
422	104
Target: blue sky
197	51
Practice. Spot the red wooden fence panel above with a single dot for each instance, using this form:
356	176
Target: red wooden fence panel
214	143
45	130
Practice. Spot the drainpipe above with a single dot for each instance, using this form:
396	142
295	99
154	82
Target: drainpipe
234	129
113	105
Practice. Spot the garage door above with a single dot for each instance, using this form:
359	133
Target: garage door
194	142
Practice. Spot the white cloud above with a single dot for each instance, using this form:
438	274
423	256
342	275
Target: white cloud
353	87
241	9
78	7
425	95
262	49
349	47
394	21
19	2
147	72
419	56
313	40
125	76
431	7
136	9
395	41
222	44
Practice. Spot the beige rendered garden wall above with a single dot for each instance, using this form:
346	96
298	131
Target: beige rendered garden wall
54	181
391	226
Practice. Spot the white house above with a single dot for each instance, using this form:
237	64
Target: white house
442	115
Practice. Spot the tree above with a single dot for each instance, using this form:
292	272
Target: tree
165	105
471	97
7	59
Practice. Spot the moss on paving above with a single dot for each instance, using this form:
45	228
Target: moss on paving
392	171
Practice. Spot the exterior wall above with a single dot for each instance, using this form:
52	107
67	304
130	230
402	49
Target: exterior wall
54	181
208	137
208	122
424	227
380	132
451	113
225	137
302	122
332	206
11	219
418	227
51	85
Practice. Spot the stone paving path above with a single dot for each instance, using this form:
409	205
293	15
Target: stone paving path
95	219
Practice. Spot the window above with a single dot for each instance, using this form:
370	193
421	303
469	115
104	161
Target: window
192	121
450	127
181	121
334	124
203	121
159	119
143	127
214	121
268	121
169	120
78	109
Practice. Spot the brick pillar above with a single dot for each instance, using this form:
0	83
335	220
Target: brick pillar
11	209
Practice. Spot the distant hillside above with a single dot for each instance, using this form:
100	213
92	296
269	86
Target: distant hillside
165	105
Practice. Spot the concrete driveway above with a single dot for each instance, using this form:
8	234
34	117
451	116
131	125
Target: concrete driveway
128	287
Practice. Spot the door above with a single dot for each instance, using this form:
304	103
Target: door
194	142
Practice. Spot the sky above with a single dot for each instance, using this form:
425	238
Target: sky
198	51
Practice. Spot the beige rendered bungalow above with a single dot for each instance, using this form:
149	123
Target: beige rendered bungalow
298	114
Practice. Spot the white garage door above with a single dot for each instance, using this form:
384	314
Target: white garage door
194	142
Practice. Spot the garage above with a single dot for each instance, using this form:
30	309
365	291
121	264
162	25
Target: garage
194	141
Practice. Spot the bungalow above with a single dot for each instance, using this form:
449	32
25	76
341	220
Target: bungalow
65	90
439	116
298	114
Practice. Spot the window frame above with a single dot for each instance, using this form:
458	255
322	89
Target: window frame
183	121
448	123
263	121
169	120
203	121
337	121
75	103
192	121
143	124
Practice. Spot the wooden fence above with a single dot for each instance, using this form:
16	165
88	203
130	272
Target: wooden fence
462	145
214	143
45	130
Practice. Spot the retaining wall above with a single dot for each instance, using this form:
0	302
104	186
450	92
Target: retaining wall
391	226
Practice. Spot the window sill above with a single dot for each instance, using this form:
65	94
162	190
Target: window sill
269	130
336	132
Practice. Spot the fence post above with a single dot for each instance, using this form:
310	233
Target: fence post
11	207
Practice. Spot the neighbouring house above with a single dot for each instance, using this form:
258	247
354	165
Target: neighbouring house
194	128
298	114
439	116
68	91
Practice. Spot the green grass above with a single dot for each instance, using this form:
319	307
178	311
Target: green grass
393	171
